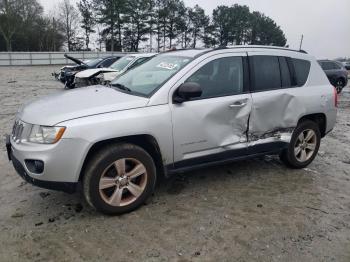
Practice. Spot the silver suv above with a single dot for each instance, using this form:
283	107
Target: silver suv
178	111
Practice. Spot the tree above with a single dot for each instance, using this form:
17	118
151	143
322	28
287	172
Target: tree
221	23
135	23
88	21
110	14
185	28
173	19
264	31
14	14
198	21
69	19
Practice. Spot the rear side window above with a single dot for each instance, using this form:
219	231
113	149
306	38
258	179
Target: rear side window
266	73
302	70
285	73
277	72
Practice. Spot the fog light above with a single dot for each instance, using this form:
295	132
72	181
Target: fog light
35	166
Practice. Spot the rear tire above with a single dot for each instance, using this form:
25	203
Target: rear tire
339	85
303	147
119	178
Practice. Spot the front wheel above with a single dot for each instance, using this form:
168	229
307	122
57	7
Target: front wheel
303	146
119	179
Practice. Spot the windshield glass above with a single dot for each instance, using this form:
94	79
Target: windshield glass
149	76
93	63
122	63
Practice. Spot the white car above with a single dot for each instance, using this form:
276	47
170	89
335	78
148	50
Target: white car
178	111
105	75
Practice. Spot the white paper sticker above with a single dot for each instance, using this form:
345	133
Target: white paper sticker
168	66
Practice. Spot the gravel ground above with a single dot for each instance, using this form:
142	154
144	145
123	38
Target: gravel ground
256	210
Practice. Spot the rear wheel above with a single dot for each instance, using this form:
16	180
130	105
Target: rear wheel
339	85
119	179
303	146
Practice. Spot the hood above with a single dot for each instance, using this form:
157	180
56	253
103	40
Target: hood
75	60
110	76
76	103
93	72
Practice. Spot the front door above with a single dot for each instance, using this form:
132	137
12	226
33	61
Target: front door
210	127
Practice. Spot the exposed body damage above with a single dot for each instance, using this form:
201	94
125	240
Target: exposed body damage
67	73
96	75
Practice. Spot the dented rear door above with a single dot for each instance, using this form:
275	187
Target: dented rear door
276	104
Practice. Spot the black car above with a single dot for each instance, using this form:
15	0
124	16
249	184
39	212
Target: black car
67	73
336	73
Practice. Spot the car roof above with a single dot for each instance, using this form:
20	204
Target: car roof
239	48
142	54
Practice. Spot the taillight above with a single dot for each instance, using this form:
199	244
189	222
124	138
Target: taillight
335	97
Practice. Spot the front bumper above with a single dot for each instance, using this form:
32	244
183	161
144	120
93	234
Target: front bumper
62	162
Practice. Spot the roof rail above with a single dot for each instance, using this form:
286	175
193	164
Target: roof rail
259	46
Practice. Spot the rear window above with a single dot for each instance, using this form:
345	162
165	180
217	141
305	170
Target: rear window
277	72
266	74
302	70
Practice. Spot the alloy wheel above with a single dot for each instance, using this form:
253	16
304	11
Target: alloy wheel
123	182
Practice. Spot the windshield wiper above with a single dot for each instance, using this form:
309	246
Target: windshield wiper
122	87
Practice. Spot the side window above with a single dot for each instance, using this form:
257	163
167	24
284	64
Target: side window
109	62
266	73
302	70
220	77
139	61
285	73
105	63
336	66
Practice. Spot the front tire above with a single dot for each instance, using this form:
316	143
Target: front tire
119	179
304	145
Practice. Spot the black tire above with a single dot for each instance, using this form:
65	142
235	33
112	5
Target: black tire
288	155
339	85
102	160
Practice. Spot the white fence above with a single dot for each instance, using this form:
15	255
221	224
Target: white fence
47	58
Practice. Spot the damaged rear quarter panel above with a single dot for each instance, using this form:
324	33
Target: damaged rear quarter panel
276	113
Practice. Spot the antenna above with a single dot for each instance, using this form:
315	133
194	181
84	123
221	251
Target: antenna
301	42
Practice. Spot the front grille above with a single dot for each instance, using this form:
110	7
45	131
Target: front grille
17	130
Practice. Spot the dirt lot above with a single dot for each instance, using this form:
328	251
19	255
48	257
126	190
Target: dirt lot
256	210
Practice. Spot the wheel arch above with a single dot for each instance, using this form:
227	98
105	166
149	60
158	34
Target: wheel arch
319	118
145	141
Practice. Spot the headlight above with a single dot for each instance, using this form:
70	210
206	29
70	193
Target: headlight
46	134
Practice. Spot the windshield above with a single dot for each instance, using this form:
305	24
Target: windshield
93	63
149	76
122	63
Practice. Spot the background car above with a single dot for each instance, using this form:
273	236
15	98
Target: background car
347	65
67	73
336	73
106	74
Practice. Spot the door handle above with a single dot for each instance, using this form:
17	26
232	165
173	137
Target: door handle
238	104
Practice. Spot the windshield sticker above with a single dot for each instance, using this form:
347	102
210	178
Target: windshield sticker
168	66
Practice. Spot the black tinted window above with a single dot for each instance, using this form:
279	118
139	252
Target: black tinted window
266	73
108	62
327	65
302	70
221	77
285	72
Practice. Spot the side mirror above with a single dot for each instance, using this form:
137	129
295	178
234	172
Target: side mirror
187	91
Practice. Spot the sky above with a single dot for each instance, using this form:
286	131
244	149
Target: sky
325	24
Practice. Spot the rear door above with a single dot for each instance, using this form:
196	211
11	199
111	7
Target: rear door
210	127
276	108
